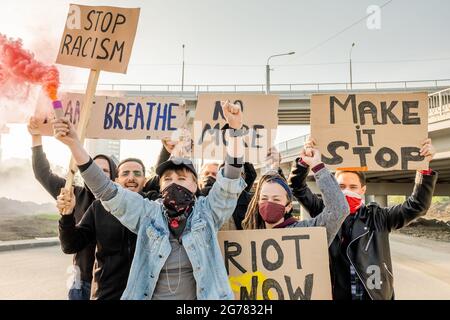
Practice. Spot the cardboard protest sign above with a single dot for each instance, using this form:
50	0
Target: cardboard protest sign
260	119
370	131
277	264
127	118
136	117
98	38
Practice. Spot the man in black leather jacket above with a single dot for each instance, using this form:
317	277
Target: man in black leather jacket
360	259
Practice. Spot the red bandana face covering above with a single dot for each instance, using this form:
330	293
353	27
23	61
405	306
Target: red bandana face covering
355	200
178	202
271	212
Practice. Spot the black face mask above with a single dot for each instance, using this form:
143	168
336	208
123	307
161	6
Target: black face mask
209	181
178	202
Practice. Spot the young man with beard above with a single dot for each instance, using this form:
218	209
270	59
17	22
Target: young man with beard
360	258
115	243
177	254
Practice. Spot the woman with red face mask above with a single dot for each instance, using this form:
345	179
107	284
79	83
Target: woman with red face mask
273	200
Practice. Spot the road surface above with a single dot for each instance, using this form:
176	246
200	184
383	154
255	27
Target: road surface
421	270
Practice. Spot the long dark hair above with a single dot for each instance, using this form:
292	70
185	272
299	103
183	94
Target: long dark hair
253	219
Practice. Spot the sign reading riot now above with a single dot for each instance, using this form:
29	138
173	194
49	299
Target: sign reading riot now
371	131
277	264
128	118
260	120
98	38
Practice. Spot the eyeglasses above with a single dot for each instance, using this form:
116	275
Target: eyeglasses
136	173
179	160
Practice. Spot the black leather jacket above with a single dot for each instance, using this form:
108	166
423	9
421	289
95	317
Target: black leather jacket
368	246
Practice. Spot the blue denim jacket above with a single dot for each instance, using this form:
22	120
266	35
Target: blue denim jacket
147	220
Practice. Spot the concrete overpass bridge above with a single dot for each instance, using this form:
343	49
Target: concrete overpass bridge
294	109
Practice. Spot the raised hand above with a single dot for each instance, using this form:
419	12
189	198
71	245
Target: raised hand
180	144
312	157
169	145
65	202
427	150
233	114
309	145
64	131
274	158
33	127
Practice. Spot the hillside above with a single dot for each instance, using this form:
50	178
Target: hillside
10	207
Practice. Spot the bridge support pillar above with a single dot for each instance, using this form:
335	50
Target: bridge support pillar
369	198
382	200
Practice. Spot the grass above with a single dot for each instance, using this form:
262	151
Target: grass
440	199
49	216
28	227
393	200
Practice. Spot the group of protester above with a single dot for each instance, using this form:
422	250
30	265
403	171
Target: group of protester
156	239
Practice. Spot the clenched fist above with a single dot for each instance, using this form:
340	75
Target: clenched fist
65	202
233	114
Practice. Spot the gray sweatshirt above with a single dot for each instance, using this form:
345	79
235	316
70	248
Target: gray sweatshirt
336	207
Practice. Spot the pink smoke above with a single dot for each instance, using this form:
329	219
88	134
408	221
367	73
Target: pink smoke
19	69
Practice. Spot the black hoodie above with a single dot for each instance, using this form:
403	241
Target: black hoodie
83	259
115	248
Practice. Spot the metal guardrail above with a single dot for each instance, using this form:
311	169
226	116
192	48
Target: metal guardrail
288	87
286	146
291	147
439	105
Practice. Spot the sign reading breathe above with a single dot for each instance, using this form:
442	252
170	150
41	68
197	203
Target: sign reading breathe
129	118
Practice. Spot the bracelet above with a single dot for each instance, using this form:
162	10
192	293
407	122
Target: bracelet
239	162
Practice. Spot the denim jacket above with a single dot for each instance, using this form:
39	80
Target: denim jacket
146	219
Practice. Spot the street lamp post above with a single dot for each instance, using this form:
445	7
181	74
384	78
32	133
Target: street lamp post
268	68
351	76
182	73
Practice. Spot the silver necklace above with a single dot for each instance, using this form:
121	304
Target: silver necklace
179	274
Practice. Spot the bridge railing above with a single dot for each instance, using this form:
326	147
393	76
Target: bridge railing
439	105
290	148
281	88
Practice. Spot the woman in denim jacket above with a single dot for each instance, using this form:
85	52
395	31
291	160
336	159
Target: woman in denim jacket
177	253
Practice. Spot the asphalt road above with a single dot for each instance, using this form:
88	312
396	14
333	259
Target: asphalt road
34	274
421	270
